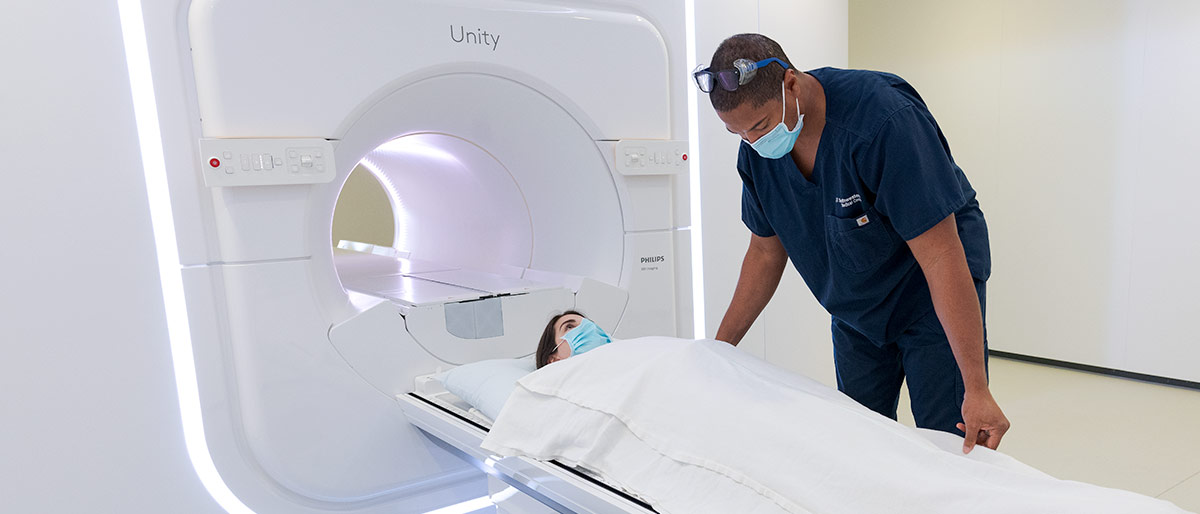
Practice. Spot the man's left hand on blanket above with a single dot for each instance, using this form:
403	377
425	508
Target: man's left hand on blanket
983	421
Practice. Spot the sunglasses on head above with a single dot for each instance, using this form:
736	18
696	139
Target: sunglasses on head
743	71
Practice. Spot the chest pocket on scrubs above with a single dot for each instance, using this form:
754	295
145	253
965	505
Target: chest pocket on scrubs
861	243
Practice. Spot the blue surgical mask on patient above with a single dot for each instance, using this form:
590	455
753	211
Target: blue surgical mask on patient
586	337
779	141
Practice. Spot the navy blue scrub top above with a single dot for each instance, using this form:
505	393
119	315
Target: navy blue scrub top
883	175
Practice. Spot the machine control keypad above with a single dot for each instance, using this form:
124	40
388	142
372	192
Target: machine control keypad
651	157
306	160
257	162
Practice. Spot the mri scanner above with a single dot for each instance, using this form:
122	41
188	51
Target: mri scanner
533	158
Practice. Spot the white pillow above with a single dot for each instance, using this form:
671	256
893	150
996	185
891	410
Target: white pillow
486	385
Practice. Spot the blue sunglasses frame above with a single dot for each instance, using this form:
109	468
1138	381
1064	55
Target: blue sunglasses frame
743	72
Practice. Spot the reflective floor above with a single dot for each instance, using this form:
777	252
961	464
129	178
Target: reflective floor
1104	430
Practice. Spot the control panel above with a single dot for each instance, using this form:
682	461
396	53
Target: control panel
266	162
651	157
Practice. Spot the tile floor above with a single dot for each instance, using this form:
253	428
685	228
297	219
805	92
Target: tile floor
1104	430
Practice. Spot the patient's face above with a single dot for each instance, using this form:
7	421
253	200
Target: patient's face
561	327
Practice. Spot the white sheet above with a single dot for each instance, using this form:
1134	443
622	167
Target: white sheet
699	426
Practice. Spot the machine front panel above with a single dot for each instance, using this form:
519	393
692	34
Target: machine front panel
299	71
493	129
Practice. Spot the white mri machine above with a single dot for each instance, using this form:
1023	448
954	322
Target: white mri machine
532	152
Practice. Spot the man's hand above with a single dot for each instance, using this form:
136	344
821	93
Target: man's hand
983	422
941	256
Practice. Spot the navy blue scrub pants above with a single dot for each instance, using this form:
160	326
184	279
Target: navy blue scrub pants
871	372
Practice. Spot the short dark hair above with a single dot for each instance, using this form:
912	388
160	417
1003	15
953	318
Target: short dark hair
765	84
547	344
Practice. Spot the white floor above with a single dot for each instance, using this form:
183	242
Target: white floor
1103	430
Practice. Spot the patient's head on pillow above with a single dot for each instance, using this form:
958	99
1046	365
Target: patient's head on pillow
567	334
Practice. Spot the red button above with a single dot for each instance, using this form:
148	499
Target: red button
685	157
214	162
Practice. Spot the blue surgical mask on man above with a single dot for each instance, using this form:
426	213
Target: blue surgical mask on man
779	141
586	337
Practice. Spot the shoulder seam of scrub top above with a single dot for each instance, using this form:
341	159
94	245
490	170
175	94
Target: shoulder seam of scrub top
944	210
868	135
871	141
877	131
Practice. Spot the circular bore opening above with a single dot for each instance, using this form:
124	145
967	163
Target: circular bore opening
437	198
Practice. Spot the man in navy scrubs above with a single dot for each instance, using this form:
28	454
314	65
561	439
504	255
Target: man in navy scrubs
846	173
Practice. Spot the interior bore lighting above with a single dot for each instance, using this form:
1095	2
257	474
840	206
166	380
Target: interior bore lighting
405	145
400	237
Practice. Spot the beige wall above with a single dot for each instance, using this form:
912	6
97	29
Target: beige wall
363	212
1074	120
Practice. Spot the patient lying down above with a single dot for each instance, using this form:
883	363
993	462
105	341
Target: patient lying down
568	334
700	426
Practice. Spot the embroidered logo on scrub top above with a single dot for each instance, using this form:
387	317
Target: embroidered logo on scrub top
851	200
863	220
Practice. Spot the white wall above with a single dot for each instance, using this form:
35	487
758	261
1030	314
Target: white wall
1075	121
90	417
793	331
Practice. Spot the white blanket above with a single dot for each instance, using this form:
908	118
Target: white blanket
699	426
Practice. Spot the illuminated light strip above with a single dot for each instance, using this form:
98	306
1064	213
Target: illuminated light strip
145	109
689	8
482	502
400	234
404	145
507	493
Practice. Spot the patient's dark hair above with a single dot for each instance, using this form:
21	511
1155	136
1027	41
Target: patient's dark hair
547	343
765	84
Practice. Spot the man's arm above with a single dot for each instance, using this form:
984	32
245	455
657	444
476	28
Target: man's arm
761	270
940	254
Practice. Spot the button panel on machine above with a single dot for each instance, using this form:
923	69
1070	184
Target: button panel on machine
651	157
264	162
